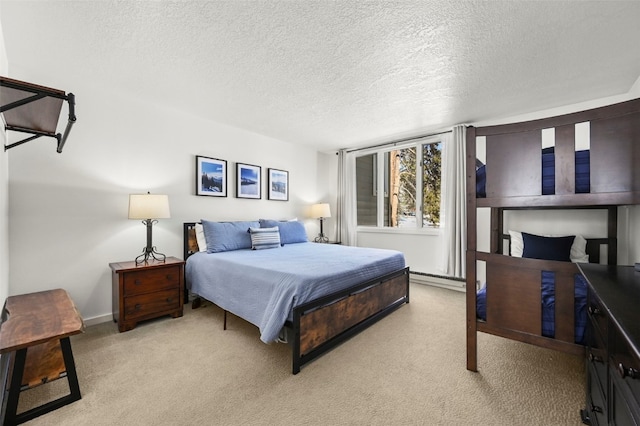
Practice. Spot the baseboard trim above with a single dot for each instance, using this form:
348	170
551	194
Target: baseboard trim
98	320
451	283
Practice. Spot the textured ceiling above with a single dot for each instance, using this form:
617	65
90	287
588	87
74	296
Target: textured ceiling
332	73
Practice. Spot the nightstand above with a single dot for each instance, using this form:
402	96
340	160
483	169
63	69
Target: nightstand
146	290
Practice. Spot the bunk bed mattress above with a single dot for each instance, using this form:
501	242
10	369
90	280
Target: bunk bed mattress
582	170
263	286
548	305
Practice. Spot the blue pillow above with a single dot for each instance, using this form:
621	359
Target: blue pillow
547	248
227	236
264	238
290	231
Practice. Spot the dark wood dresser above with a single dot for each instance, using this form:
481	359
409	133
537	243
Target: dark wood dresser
613	350
146	290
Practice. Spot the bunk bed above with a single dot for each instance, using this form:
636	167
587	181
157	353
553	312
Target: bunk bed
515	175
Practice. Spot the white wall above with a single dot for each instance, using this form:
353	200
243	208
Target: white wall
4	191
422	251
68	212
327	176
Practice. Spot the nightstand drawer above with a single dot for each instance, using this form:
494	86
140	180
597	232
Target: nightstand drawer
139	282
151	303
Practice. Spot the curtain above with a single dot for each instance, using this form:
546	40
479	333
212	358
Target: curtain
454	214
346	221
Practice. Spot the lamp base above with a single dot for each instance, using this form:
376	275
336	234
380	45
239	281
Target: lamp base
321	238
150	253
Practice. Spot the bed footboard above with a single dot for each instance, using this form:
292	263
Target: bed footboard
322	324
514	308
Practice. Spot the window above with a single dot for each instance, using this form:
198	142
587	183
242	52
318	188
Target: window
396	185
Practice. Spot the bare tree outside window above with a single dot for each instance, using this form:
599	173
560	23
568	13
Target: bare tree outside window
412	188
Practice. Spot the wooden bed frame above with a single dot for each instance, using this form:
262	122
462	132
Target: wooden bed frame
514	176
321	324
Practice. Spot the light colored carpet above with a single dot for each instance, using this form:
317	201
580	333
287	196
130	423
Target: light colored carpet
408	369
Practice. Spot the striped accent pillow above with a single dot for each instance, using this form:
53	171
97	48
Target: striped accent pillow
264	238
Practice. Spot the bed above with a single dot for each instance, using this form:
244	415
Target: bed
519	174
309	295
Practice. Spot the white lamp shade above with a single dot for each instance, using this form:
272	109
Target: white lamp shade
149	206
320	210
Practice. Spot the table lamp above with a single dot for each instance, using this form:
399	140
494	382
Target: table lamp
321	211
149	207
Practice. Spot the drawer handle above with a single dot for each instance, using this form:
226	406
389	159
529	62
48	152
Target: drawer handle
594	358
137	307
593	311
596	409
169	277
169	300
137	282
628	371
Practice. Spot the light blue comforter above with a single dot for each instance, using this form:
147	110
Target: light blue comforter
263	286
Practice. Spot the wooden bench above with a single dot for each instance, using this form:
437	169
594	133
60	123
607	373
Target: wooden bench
34	341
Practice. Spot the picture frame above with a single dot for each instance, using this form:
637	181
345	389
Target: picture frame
211	176
248	181
278	184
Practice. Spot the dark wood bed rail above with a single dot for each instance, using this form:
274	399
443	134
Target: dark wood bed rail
515	305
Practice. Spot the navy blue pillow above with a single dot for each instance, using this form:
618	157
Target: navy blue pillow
547	248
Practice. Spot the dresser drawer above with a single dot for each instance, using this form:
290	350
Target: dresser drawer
597	358
151	303
597	315
624	412
626	367
138	282
596	403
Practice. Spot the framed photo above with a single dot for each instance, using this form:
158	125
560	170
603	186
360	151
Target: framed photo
211	177
248	181
278	185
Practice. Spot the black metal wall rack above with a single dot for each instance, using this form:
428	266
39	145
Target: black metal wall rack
33	109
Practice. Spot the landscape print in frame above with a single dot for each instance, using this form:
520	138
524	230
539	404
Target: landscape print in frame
248	181
211	176
278	184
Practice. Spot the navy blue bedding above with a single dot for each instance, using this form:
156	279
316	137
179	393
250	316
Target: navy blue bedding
548	174
548	306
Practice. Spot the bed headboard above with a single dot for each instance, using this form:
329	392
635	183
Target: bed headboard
513	159
190	244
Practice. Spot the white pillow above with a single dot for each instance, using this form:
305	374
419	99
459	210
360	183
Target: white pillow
578	248
517	244
200	238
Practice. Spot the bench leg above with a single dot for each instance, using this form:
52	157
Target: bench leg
11	417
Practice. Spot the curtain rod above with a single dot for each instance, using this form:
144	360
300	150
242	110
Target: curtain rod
399	141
